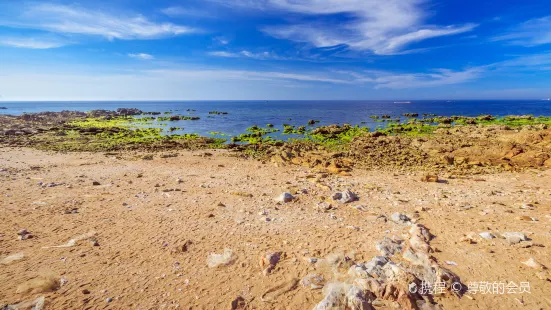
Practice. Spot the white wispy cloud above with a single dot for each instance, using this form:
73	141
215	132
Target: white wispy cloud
439	77
32	43
67	19
223	54
221	40
142	56
247	54
249	75
382	27
378	79
180	11
533	32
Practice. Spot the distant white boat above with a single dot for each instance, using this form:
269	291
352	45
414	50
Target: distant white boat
402	101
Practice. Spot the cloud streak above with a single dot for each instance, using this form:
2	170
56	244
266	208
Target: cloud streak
32	43
78	20
533	32
141	56
381	27
247	54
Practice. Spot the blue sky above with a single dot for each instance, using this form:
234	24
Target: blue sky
274	49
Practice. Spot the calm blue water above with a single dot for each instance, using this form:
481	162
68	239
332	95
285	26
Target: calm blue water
243	114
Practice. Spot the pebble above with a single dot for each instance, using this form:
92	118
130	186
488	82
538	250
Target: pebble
486	235
527	206
24	234
534	264
313	281
345	197
108	300
514	237
400	218
286	197
11	258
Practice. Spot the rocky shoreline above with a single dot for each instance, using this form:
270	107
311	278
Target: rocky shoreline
435	144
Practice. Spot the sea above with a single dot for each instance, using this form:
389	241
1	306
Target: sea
243	114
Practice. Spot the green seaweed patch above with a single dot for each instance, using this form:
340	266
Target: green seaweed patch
294	130
335	135
112	122
253	138
259	130
410	129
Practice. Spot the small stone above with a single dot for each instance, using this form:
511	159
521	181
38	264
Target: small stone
429	178
85	292
286	197
238	303
182	247
108	300
514	237
224	259
345	197
527	206
313	281
400	218
12	258
486	235
24	234
96	183
312	260
526	218
388	247
469	238
534	264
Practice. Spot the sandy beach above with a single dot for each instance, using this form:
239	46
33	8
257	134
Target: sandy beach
143	231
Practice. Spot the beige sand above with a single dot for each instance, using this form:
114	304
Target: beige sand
142	217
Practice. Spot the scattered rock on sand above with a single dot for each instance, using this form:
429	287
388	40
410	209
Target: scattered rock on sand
269	261
285	197
514	237
486	235
527	206
313	281
345	197
400	218
24	234
238	303
429	178
526	218
12	258
388	247
534	264
182	247
224	259
35	304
